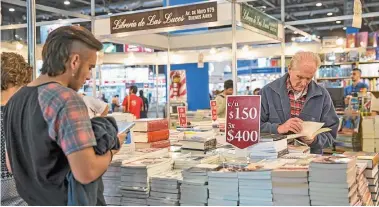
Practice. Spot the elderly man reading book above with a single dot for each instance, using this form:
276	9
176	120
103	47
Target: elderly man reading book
295	98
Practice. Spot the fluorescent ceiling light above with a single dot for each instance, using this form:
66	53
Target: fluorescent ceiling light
295	32
344	28
245	48
293	39
110	13
213	50
338	22
329	14
319	4
11	9
66	2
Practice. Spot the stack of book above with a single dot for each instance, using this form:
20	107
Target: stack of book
135	178
369	140
194	188
255	184
165	189
198	143
186	161
269	147
332	181
223	186
371	172
111	179
363	189
347	140
151	133
291	180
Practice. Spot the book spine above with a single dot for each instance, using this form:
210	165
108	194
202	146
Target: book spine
160	144
157	125
155	136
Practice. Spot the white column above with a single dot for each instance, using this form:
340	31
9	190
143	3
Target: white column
234	48
283	43
31	31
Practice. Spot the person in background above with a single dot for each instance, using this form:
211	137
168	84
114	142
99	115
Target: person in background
356	86
145	105
221	98
150	96
132	103
95	106
256	91
248	91
103	98
48	131
15	73
294	98
115	103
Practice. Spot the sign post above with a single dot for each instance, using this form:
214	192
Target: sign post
182	113
243	120
214	110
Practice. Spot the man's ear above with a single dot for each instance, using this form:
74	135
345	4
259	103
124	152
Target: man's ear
74	63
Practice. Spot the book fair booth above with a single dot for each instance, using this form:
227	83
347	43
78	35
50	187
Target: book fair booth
193	157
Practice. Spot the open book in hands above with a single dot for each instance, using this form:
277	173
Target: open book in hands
310	130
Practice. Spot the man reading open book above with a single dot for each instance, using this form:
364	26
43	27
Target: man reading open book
294	98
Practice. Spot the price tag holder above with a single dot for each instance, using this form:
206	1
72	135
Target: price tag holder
214	110
182	113
243	115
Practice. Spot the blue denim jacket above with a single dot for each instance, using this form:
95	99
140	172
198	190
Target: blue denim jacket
318	107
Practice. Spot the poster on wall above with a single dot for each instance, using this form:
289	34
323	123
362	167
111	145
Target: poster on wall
178	87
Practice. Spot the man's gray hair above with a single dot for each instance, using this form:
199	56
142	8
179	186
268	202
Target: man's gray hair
300	56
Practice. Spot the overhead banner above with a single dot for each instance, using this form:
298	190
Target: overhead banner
357	18
170	17
259	20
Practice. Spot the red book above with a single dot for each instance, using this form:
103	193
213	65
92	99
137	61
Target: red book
153	136
149	125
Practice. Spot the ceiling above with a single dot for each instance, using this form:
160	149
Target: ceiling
307	9
295	10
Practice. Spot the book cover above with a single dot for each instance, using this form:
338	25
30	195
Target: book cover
152	136
362	39
158	144
373	39
350	40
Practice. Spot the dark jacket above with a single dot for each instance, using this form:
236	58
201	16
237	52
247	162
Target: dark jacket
105	130
318	107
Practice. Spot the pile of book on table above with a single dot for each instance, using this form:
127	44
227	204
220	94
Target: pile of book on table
289	181
194	188
363	189
371	171
112	177
223	185
255	183
198	143
332	181
269	147
151	133
370	133
165	189
135	178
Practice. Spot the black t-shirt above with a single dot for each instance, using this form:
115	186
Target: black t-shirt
43	125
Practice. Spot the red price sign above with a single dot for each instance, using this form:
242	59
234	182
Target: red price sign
182	112
214	110
243	120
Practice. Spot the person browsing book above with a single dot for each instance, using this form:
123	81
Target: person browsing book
47	130
132	103
294	98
